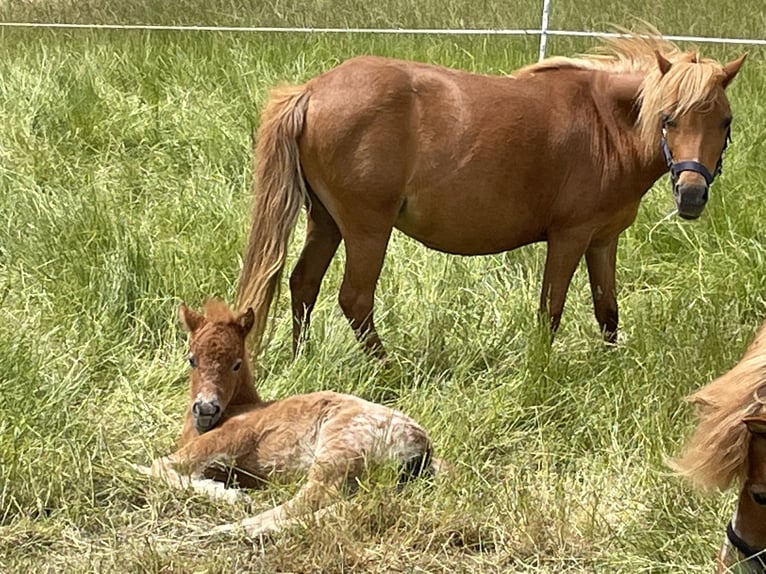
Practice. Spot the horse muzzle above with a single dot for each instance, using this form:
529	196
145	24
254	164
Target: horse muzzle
690	199
206	414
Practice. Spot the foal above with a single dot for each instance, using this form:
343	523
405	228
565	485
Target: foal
329	437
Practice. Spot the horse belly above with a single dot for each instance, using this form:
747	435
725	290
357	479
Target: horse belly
469	225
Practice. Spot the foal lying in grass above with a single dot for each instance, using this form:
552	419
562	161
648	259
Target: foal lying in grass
329	437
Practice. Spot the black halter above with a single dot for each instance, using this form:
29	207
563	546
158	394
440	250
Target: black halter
751	553
689	165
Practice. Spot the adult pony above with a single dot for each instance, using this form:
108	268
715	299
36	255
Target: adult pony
330	437
562	151
729	445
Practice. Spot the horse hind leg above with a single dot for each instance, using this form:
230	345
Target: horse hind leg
418	466
311	501
322	239
364	262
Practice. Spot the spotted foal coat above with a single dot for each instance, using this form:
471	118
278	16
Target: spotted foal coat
329	437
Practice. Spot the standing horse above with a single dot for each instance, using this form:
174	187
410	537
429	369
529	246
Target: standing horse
728	445
330	437
562	151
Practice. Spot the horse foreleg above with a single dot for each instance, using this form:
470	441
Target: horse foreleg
564	253
165	469
364	261
322	239
602	260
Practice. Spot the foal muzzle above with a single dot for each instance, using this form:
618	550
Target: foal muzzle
206	414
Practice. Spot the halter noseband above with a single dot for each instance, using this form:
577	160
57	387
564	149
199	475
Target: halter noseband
676	168
751	553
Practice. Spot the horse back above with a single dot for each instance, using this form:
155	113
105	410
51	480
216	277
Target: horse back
431	150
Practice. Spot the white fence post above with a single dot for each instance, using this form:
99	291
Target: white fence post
544	28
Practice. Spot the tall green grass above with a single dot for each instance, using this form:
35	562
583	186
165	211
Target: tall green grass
124	188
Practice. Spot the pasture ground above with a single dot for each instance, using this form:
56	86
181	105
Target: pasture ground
124	188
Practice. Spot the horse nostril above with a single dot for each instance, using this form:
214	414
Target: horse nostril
206	408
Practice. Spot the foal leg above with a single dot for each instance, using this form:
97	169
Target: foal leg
164	469
322	239
564	253
364	261
321	487
602	260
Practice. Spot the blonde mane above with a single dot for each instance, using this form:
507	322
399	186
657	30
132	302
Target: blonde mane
716	453
217	311
690	83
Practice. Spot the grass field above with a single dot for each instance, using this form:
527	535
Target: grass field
124	188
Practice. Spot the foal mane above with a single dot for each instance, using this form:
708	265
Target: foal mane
717	451
690	83
217	311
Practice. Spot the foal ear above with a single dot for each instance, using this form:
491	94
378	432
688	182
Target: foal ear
756	424
246	320
731	69
663	63
191	320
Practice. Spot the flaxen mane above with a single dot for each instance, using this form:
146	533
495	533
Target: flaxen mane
690	82
716	453
217	311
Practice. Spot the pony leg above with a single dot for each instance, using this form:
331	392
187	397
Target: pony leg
364	261
564	253
163	468
322	239
312	496
602	260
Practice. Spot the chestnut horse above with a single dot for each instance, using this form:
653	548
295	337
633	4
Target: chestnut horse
729	445
228	430
562	151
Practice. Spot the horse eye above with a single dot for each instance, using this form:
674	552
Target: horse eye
670	123
726	123
192	361
760	498
237	365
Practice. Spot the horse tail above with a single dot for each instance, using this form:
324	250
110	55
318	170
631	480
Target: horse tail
279	191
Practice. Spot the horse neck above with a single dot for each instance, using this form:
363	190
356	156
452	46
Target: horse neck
616	97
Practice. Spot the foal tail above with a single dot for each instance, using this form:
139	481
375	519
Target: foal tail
279	191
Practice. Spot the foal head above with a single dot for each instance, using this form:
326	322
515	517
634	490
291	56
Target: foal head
220	373
746	533
686	96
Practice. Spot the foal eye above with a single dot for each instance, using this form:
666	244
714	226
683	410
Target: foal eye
726	123
192	360
237	365
670	124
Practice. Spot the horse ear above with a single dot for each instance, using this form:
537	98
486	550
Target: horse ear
246	320
191	320
663	63
730	70
756	424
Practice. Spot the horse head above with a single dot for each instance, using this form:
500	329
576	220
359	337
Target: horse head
218	361
746	533
695	124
